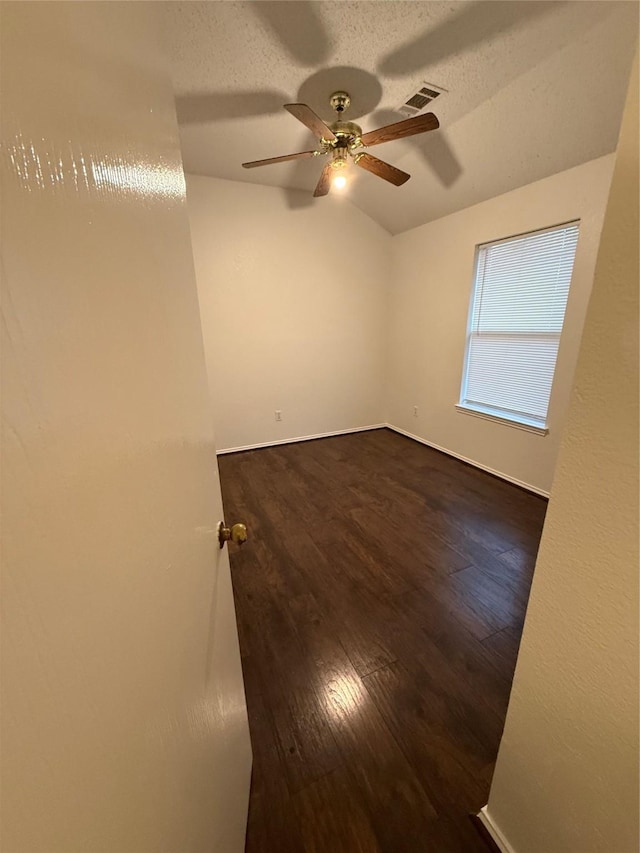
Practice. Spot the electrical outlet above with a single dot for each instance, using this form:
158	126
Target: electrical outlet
415	411
278	414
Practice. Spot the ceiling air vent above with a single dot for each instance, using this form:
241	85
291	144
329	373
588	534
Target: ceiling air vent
419	100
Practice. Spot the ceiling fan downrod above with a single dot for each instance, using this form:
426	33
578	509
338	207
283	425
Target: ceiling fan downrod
340	102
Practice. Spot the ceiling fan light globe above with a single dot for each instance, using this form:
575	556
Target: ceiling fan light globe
339	182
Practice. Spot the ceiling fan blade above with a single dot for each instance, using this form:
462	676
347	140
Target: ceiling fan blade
434	148
383	170
408	127
302	155
324	184
307	116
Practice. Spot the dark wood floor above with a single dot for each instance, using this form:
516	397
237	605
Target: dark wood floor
380	602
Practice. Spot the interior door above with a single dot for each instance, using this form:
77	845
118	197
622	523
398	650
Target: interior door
124	724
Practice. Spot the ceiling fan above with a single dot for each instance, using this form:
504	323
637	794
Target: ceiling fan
344	139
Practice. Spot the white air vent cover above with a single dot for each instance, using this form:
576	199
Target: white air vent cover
420	99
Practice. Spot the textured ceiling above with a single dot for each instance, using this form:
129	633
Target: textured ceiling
532	88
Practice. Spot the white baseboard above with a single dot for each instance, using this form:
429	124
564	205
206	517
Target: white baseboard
487	821
475	464
299	438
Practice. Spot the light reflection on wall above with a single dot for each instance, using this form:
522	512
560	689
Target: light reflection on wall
38	163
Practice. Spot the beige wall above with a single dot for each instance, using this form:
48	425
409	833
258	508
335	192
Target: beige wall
293	310
567	772
431	282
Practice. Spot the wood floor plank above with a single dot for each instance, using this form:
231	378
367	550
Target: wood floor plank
483	592
331	817
286	681
410	543
470	599
393	798
346	595
422	721
432	476
429	641
504	645
379	601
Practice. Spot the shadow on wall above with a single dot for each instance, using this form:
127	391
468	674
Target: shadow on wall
202	107
302	174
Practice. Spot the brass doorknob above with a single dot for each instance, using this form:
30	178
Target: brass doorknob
236	533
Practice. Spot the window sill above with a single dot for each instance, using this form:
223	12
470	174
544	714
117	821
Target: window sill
487	416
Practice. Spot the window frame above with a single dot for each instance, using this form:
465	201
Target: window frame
518	420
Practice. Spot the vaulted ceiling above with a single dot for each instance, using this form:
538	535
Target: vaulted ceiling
532	88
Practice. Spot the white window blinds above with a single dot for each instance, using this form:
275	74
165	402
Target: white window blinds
515	320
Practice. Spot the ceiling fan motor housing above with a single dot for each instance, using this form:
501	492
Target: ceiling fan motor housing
348	136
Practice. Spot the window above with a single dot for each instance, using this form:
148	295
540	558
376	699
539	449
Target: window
517	309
